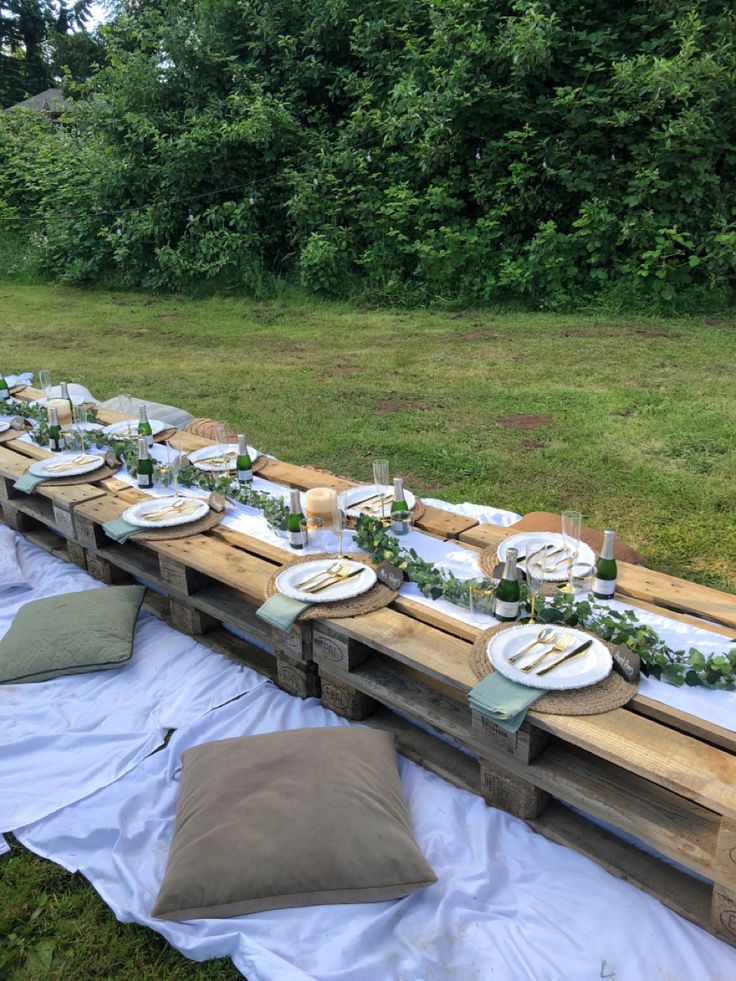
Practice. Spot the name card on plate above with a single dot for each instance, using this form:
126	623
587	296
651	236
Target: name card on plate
390	574
626	663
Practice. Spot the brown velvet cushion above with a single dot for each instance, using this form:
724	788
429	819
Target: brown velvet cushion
300	818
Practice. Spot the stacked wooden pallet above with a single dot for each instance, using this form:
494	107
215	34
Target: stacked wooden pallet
662	776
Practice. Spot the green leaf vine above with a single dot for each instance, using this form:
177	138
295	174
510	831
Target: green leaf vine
675	667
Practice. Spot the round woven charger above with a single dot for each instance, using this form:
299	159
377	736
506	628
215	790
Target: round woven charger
488	560
209	521
375	598
258	464
91	477
609	694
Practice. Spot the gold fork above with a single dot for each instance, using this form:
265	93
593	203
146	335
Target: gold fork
348	573
330	571
562	644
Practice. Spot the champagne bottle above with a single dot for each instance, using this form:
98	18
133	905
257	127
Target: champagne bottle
244	464
4	388
145	465
64	394
604	584
508	591
398	505
144	426
296	535
56	443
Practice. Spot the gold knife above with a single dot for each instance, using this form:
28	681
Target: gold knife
568	657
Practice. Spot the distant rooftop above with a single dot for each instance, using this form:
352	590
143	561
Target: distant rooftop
51	101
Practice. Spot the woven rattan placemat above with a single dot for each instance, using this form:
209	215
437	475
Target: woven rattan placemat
609	694
207	523
375	598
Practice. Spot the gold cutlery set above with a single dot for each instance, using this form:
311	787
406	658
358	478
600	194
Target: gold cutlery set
336	573
548	638
374	504
184	506
77	461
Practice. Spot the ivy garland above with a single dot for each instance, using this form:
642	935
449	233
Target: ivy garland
274	510
676	667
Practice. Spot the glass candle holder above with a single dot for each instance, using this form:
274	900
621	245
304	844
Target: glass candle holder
582	576
480	598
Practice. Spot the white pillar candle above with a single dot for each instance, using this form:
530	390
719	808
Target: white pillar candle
320	503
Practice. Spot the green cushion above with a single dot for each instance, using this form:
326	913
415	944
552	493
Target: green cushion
70	634
305	817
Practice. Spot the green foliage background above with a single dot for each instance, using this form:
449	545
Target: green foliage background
416	151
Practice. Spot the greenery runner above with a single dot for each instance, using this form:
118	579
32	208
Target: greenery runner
676	667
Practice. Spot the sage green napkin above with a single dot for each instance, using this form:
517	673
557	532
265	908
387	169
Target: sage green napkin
281	611
119	530
502	701
28	482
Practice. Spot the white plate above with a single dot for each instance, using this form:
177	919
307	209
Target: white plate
552	538
41	467
199	457
136	515
588	669
366	490
4	426
286	581
128	428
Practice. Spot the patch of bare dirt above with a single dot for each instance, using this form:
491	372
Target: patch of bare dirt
524	421
420	486
533	444
341	370
396	405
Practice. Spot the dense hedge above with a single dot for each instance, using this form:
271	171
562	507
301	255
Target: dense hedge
421	150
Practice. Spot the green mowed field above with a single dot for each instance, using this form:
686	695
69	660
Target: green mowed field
631	421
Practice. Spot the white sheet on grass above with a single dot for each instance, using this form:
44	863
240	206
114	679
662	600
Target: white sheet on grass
61	740
508	904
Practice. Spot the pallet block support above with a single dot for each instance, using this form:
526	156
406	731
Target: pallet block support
345	700
510	793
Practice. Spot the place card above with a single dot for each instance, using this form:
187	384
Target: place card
216	502
110	459
390	574
626	663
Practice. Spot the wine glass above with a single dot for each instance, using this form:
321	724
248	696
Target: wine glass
534	566
572	525
80	415
221	436
44	381
340	517
125	407
380	479
174	459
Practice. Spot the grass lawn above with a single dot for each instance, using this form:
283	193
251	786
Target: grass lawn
631	421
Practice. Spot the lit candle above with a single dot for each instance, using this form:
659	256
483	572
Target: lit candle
64	410
321	503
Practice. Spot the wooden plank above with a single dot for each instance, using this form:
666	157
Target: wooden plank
680	892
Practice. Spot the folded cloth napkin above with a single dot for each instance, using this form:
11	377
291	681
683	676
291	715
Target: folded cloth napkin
281	611
502	701
120	530
28	482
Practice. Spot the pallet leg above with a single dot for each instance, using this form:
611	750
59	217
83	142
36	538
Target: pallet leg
297	677
509	793
76	554
106	572
179	576
723	913
525	744
295	643
723	904
345	700
188	620
18	520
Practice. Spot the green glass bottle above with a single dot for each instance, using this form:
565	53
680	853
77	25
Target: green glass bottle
144	426
399	507
604	584
244	464
296	535
64	394
56	442
508	591
145	465
4	389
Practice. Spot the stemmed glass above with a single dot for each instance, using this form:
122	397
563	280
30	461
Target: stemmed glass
535	572
221	435
175	464
339	518
572	525
125	404
80	415
380	479
44	381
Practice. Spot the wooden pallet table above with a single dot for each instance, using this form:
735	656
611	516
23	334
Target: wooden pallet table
662	777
